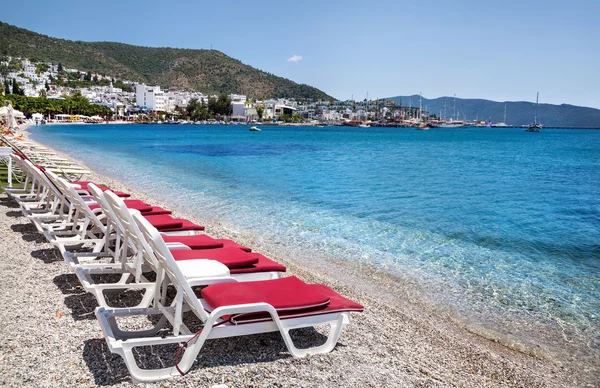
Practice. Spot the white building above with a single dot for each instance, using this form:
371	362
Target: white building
150	97
238	98
238	109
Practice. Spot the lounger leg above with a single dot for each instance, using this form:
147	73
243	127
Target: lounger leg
335	330
137	333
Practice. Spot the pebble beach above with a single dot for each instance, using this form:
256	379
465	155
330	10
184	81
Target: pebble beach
49	335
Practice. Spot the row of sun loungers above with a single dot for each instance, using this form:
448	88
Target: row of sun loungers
230	289
45	157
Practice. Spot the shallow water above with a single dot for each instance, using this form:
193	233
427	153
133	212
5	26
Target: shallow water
500	225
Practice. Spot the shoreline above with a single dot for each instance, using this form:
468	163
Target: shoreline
416	344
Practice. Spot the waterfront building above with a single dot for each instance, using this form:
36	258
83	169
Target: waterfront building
150	97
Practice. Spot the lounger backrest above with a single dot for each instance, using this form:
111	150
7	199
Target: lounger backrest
82	208
131	232
98	195
166	263
50	193
30	178
114	230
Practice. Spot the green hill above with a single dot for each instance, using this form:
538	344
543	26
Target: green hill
517	112
208	71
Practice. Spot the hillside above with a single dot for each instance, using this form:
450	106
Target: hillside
517	112
208	71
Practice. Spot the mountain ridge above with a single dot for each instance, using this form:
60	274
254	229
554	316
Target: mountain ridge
208	71
517	112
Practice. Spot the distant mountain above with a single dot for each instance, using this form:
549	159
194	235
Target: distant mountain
517	112
208	71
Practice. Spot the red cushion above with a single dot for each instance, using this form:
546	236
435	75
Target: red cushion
230	257
232	244
164	222
84	186
156	211
285	295
132	204
337	304
121	194
200	241
185	225
263	265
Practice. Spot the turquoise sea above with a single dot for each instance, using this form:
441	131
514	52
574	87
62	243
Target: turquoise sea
498	225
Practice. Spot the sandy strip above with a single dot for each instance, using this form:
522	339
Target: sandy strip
49	335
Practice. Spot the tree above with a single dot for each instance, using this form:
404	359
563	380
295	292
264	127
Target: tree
41	68
96	78
203	112
285	117
88	76
47	86
6	87
78	102
42	93
60	67
260	110
197	110
15	88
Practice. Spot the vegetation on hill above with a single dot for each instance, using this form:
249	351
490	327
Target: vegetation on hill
517	112
74	104
208	71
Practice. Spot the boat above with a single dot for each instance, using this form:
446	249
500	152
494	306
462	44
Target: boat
536	126
254	129
423	127
364	126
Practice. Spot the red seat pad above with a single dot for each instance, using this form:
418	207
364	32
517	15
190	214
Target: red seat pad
263	265
232	244
84	186
289	294
131	204
185	225
164	222
230	257
202	241
157	211
337	304
199	241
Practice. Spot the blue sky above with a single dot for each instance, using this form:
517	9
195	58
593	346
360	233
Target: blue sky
499	50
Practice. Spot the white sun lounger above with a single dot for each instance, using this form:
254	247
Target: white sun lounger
265	306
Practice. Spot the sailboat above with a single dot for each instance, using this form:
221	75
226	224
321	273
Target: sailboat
421	126
536	126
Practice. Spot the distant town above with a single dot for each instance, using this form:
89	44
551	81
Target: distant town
128	101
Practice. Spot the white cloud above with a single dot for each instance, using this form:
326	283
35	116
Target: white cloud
295	58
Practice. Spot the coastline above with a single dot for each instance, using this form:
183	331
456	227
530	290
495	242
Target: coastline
415	345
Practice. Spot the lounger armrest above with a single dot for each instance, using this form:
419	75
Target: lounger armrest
175	246
89	254
205	281
243	309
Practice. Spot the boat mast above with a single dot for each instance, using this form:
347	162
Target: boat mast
504	113
455	114
535	120
445	111
420	107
